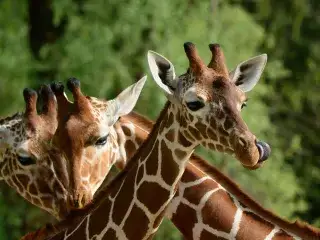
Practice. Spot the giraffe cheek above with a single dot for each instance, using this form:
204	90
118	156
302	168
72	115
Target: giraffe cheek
212	135
85	169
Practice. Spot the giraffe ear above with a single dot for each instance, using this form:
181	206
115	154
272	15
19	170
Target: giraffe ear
247	74
128	98
162	71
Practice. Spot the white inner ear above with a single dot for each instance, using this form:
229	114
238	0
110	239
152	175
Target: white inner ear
248	73
153	59
128	98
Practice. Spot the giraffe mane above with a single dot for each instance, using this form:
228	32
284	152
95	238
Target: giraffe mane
298	227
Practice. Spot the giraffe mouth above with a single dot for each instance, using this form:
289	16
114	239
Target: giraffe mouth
264	151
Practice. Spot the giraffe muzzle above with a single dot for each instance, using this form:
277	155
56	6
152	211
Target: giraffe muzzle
80	199
264	151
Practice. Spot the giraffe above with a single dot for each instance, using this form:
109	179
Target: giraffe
30	160
214	191
160	161
203	190
24	159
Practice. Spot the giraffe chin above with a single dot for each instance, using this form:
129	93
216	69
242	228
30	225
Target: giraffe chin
264	153
258	165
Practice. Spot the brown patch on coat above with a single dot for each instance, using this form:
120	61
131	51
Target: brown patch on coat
110	234
212	135
219	211
124	197
169	168
183	141
152	166
180	153
184	219
136	229
146	194
281	235
195	133
126	131
97	224
170	135
205	235
130	146
253	226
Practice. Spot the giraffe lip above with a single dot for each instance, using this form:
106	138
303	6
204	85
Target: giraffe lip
264	151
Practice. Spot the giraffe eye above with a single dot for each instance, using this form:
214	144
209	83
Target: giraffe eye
195	105
101	141
25	161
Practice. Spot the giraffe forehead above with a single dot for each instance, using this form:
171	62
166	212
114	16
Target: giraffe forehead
82	131
205	91
102	112
98	106
222	90
103	129
200	83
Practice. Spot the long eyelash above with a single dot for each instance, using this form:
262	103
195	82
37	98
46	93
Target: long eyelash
244	104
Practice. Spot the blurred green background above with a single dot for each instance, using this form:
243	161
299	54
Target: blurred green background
104	44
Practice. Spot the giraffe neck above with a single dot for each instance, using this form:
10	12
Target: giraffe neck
156	168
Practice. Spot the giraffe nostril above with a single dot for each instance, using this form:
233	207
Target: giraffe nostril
242	141
76	203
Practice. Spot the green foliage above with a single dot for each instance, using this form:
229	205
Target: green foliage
167	231
104	44
15	59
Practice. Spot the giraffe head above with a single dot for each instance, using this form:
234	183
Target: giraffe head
27	161
58	158
209	99
86	137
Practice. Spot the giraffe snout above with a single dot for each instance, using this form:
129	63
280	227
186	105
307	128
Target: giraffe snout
250	152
